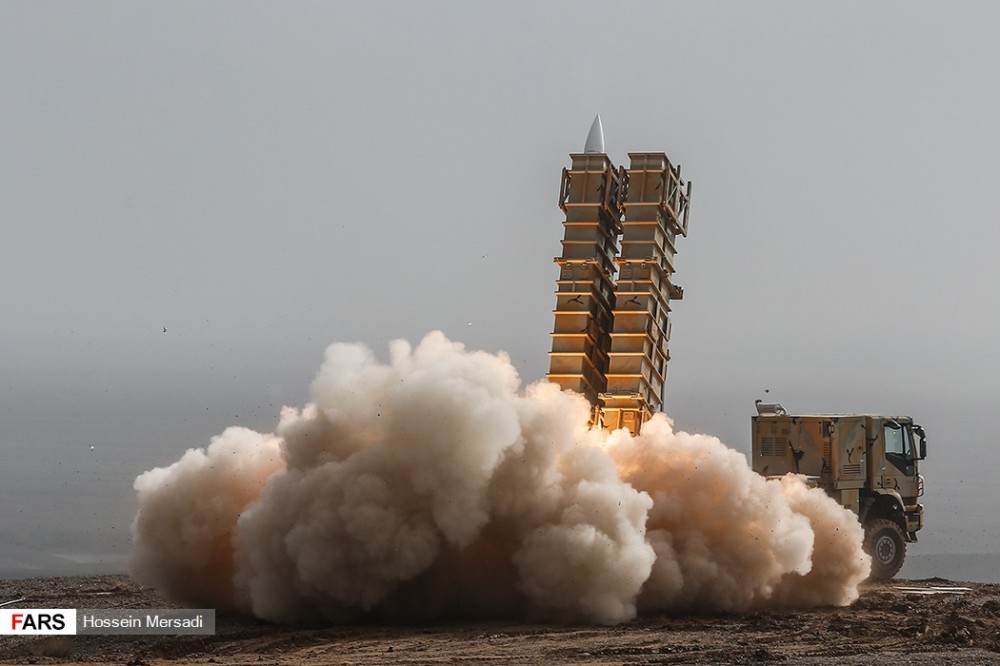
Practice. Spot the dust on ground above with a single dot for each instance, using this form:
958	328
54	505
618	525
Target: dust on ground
890	623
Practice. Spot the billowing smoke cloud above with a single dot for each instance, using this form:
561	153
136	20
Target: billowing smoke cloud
433	486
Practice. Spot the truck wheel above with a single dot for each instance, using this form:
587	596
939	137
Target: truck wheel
884	542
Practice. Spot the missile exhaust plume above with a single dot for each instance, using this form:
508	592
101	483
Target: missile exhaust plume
433	485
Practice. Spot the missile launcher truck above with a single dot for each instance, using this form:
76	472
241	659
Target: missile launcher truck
867	463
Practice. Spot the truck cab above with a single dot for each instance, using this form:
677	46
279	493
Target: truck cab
868	463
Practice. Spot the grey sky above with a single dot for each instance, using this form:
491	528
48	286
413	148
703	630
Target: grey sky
263	179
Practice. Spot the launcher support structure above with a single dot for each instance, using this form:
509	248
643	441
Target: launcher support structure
615	284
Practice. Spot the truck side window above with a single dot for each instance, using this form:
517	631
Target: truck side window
894	440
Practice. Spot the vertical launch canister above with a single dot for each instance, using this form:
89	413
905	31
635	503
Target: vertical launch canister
612	325
591	197
656	212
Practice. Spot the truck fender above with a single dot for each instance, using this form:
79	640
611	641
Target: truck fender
882	496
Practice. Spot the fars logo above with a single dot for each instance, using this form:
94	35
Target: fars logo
37	621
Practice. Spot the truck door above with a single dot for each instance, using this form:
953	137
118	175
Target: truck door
899	447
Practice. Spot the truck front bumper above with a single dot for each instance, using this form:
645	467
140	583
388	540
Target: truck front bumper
914	520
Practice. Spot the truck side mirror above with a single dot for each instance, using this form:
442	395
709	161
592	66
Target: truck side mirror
923	441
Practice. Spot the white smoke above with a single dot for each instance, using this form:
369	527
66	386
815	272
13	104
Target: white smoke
432	485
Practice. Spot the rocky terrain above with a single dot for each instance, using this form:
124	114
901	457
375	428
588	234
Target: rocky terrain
904	622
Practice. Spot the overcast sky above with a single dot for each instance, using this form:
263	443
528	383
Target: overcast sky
263	179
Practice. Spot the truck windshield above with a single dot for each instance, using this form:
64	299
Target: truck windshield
898	440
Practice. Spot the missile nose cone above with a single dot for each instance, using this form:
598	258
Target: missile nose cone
595	140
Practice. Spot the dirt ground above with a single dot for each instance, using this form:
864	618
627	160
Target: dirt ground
889	624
